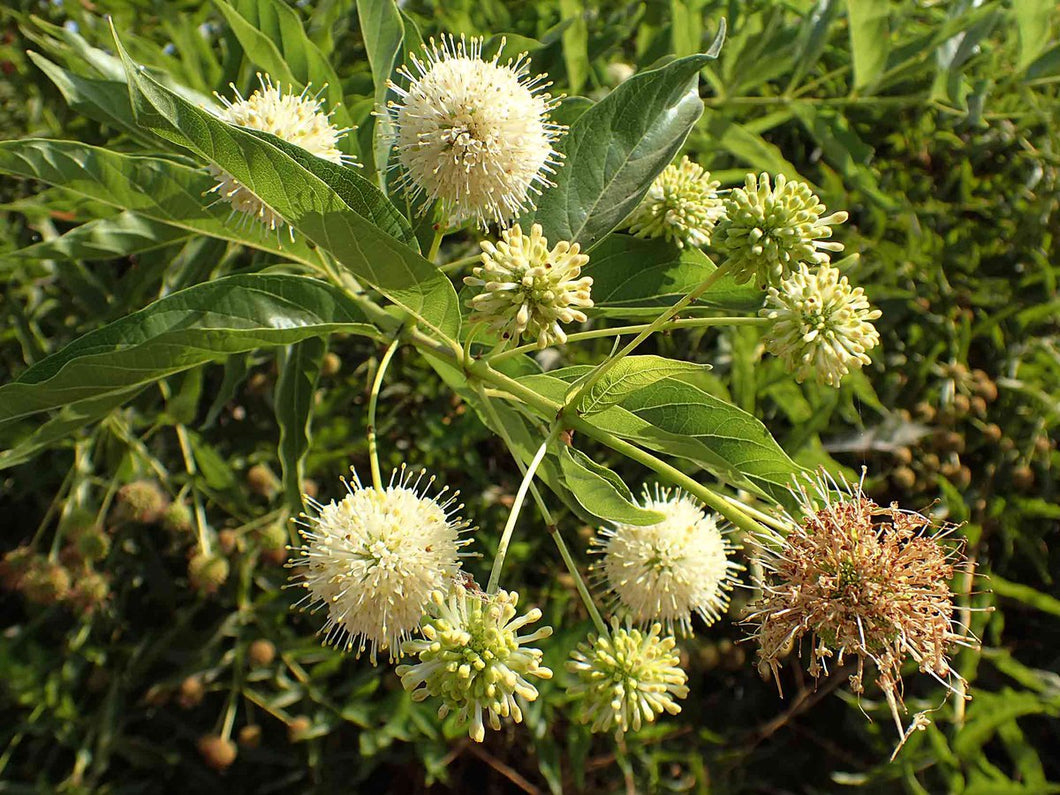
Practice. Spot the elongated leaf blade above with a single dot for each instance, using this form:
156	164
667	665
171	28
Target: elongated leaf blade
123	235
294	413
152	187
200	324
616	148
631	374
601	492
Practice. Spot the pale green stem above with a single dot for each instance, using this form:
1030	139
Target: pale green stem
457	265
553	530
436	243
577	393
617	331
373	403
189	465
517	506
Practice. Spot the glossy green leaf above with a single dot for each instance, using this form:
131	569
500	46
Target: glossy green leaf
123	235
616	148
601	492
869	40
676	418
631	374
105	101
634	277
321	200
200	324
152	187
383	33
295	390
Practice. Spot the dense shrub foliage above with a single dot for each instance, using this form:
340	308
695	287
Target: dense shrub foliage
215	307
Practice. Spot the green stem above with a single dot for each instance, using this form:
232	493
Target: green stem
520	496
617	331
577	392
436	244
553	530
456	265
373	403
189	465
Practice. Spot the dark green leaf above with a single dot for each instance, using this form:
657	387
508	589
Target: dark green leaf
203	323
295	391
601	492
616	148
631	374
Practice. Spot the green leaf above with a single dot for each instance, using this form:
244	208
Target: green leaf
631	374
122	235
675	418
575	43
988	711
1025	594
62	427
634	277
152	187
601	492
1033	20
272	36
295	390
383	34
320	199
869	35
616	148
200	324
106	101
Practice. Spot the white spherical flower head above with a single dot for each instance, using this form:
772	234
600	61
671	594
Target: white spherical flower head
375	558
682	206
296	118
765	231
529	290
626	677
668	571
821	325
473	658
473	134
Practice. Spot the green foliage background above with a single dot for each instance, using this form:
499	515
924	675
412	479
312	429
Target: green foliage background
935	125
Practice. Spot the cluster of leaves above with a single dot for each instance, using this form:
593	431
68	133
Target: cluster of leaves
954	212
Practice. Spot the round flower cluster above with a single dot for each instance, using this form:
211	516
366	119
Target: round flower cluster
765	231
528	289
821	325
375	558
670	570
626	677
682	206
296	118
860	581
472	658
473	135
